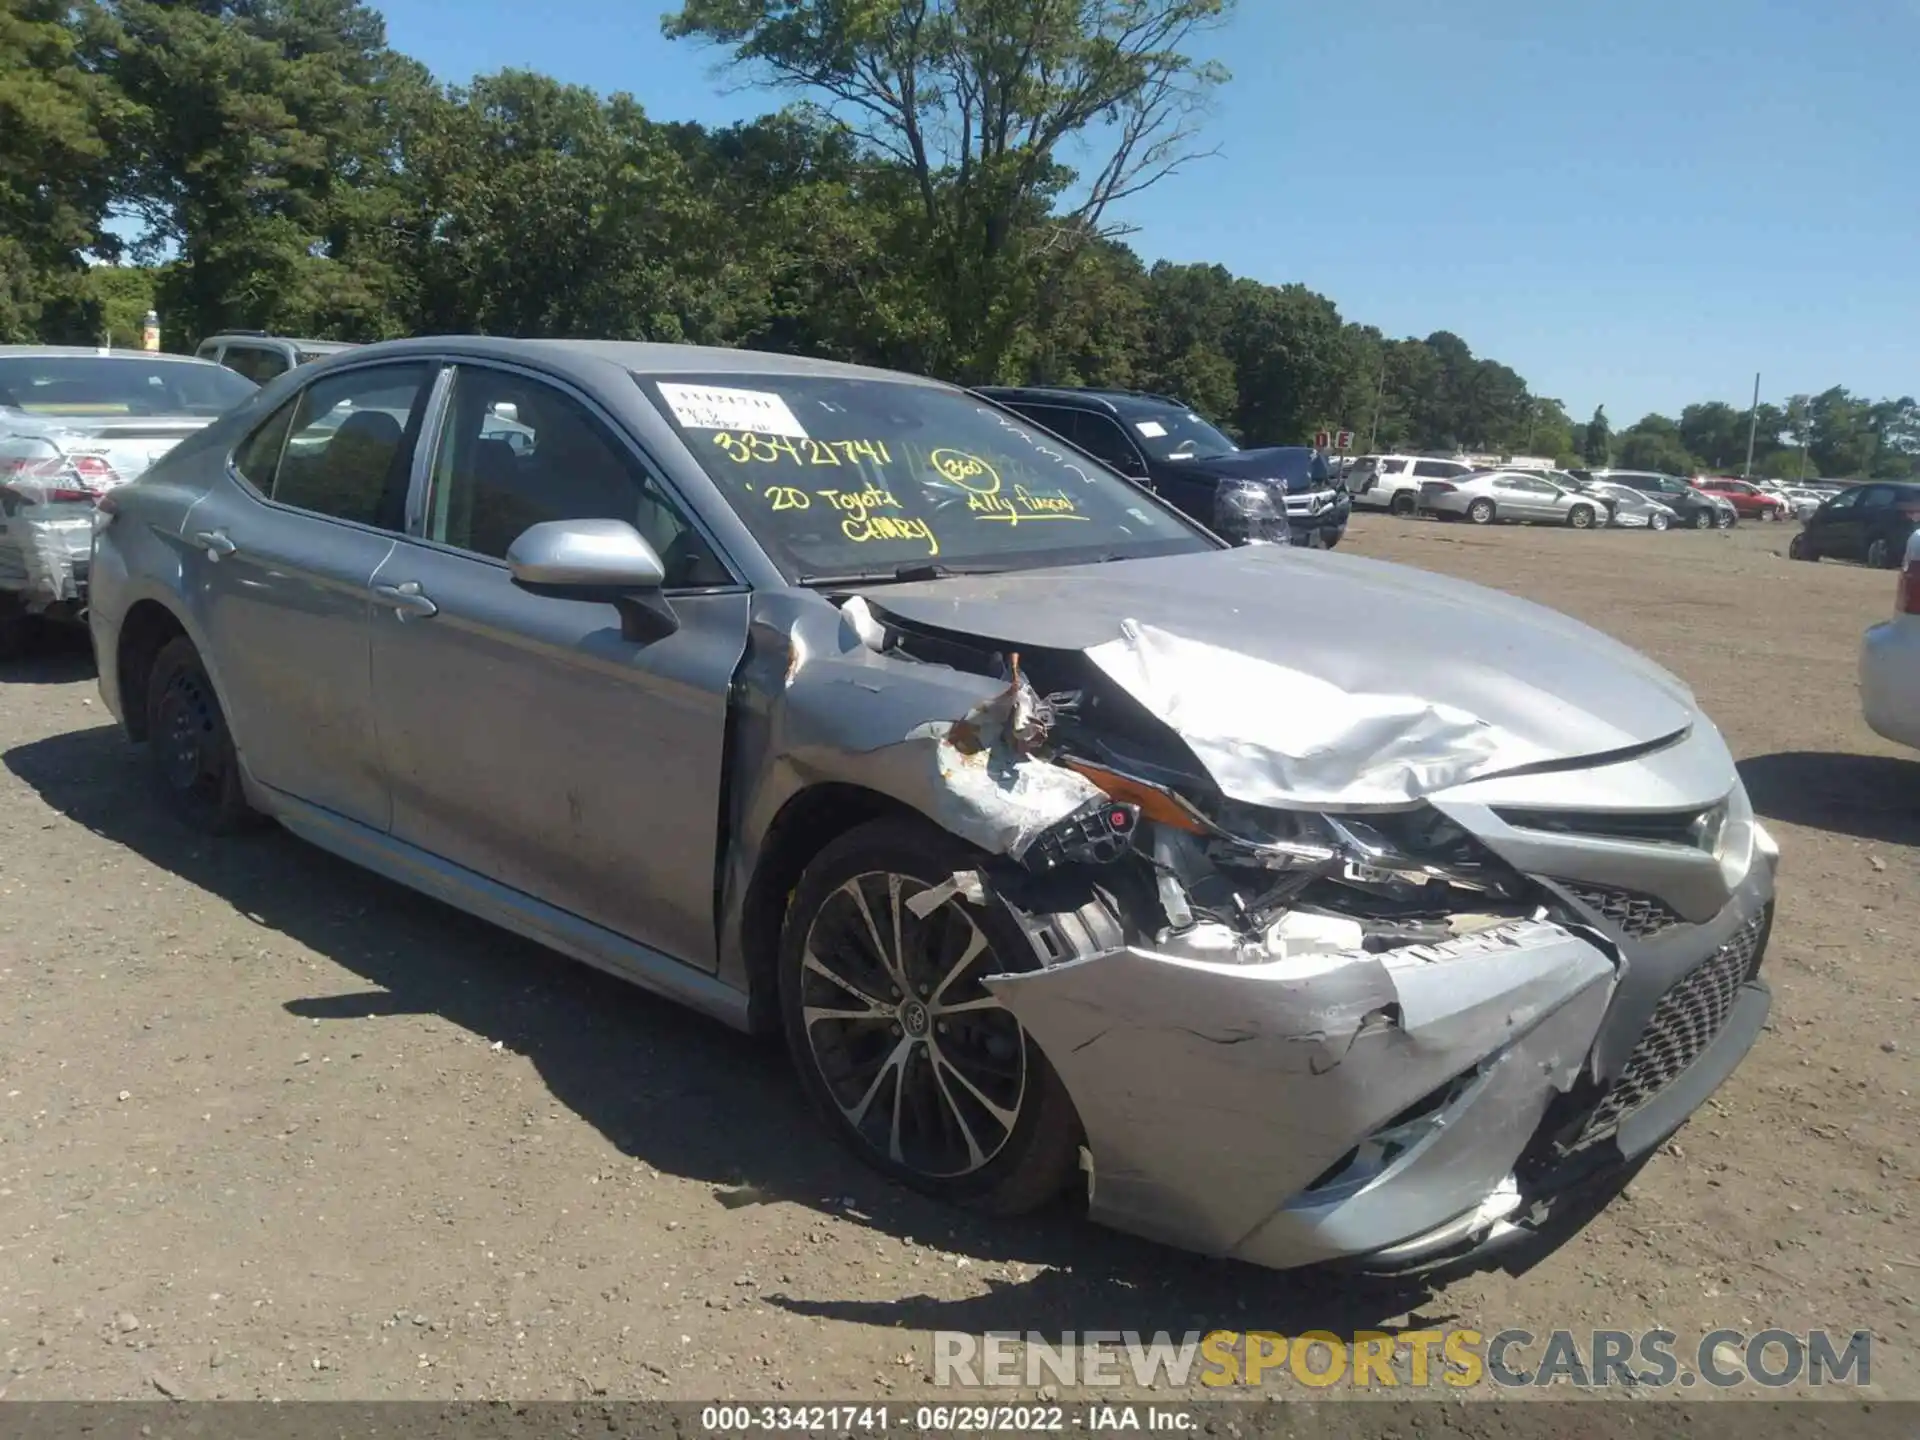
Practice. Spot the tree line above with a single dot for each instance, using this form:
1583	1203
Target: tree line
275	164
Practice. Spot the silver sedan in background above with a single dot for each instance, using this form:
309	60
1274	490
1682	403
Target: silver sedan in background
1487	497
75	424
846	706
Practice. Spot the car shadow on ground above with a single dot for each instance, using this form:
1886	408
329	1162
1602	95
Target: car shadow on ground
681	1093
1870	797
51	655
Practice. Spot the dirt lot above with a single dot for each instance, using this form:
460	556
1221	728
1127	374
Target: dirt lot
270	1127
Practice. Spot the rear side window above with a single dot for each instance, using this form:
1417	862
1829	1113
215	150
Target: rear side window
258	456
351	445
256	362
1438	469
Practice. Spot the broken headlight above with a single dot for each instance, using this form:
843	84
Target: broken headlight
1246	512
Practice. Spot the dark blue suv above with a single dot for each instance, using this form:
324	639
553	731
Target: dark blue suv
1286	491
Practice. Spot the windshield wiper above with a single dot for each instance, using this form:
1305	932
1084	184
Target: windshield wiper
902	573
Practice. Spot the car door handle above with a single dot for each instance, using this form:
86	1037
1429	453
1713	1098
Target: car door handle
215	543
405	599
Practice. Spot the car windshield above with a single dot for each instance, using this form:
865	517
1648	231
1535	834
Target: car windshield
118	385
842	478
1172	434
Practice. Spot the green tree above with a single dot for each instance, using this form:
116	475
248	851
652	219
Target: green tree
1653	443
976	100
1597	444
254	133
55	172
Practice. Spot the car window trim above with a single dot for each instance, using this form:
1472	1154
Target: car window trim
420	478
252	491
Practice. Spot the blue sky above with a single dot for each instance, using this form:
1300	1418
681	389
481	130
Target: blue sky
1638	203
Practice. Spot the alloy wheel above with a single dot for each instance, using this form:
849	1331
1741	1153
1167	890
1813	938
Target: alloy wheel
1657	522
923	1063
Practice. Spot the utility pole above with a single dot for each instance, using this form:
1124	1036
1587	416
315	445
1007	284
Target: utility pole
1753	419
1379	391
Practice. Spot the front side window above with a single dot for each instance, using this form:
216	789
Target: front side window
1845	500
842	477
1438	469
351	445
1103	439
515	452
118	385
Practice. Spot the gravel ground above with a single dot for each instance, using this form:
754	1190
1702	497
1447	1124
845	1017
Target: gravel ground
271	1127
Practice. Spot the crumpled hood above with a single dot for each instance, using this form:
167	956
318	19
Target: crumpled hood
1292	465
1304	680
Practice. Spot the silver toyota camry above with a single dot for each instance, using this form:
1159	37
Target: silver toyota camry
847	705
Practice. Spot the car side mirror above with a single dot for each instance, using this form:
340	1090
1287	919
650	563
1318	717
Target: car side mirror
597	560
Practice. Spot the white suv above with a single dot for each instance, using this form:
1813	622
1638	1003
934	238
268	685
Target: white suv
1392	482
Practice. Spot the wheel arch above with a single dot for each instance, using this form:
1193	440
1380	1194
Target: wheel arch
145	630
807	823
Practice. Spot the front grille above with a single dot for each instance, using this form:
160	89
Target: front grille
1639	916
1684	1023
1696	829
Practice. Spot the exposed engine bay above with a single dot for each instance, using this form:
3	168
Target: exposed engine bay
1224	880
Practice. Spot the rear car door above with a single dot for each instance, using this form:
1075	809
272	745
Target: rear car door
282	551
527	740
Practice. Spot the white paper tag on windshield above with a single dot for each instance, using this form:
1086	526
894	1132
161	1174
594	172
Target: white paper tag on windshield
713	407
1152	429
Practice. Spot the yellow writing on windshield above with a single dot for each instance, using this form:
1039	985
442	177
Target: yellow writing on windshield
969	472
889	527
744	448
1023	504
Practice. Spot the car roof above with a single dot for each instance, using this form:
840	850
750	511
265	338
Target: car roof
1113	401
641	357
45	352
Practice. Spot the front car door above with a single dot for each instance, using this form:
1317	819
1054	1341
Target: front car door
526	740
282	551
1836	527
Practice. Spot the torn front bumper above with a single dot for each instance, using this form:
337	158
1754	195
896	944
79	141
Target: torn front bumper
1354	1105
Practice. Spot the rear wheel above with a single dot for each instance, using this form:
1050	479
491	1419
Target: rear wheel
1880	553
1775	514
189	750
1580	517
1402	504
904	1053
1480	512
1657	522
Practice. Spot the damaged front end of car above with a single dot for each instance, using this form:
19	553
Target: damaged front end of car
1293	1034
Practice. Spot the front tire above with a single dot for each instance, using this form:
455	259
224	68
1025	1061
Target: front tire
904	1054
1703	519
1723	519
190	752
1331	538
1580	517
1799	548
1480	512
1879	554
